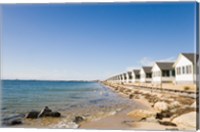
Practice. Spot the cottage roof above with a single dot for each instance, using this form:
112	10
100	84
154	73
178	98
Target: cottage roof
136	72
129	73
165	65
190	56
147	69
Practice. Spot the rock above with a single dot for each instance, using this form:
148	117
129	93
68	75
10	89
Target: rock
78	119
161	106
163	114
186	121
131	96
174	104
14	120
141	114
167	123
33	114
54	114
194	105
44	112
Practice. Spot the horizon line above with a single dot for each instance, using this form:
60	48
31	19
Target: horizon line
52	80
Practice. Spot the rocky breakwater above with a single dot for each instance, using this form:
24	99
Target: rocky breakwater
178	112
18	119
174	112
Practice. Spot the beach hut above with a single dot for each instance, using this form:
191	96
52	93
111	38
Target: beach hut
129	77
145	74
124	78
135	75
185	67
163	72
121	78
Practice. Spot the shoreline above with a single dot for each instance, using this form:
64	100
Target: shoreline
123	120
143	110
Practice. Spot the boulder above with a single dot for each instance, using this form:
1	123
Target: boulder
141	114
33	114
131	96
14	120
186	121
164	114
194	105
44	112
53	114
174	104
161	106
78	119
167	123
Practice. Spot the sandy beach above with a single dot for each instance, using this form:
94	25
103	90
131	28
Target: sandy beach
129	119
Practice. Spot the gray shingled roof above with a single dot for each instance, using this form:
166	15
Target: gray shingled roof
165	65
129	73
147	69
136	72
190	56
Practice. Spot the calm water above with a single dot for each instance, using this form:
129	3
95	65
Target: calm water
23	96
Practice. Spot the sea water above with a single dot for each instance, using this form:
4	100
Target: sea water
70	98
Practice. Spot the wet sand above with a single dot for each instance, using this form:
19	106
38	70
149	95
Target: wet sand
121	121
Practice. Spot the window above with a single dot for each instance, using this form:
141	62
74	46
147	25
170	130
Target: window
137	76
183	70
173	73
187	70
190	69
178	70
165	73
148	75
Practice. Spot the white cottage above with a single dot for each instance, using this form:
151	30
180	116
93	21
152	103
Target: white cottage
163	72
135	75
129	77
124	78
185	67
121	78
145	74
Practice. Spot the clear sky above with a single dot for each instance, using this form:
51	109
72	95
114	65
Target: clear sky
92	41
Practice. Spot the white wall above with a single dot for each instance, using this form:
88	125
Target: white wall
184	78
157	79
127	78
133	77
122	81
142	76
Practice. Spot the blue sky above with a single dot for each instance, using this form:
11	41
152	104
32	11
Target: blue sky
92	41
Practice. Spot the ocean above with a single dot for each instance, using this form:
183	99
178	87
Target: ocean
70	98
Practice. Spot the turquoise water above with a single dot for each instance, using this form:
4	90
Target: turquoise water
19	96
